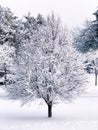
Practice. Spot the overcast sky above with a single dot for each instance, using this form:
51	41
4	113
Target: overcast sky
72	12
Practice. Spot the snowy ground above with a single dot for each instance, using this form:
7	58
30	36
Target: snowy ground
82	114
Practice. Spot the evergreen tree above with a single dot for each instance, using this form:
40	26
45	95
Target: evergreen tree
8	27
86	38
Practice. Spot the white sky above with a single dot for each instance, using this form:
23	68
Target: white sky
72	12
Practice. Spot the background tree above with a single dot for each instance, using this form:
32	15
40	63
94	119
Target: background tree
8	28
86	38
6	64
8	25
92	67
86	42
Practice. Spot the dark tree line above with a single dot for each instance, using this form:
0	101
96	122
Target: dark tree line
86	42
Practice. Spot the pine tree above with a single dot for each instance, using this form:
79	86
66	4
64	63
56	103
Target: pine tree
8	27
86	38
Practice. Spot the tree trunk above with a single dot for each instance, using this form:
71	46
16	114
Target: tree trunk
95	77
49	110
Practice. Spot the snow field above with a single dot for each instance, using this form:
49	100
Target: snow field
81	115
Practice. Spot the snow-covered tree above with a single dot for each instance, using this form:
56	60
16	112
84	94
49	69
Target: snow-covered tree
92	67
6	62
8	25
8	28
47	65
